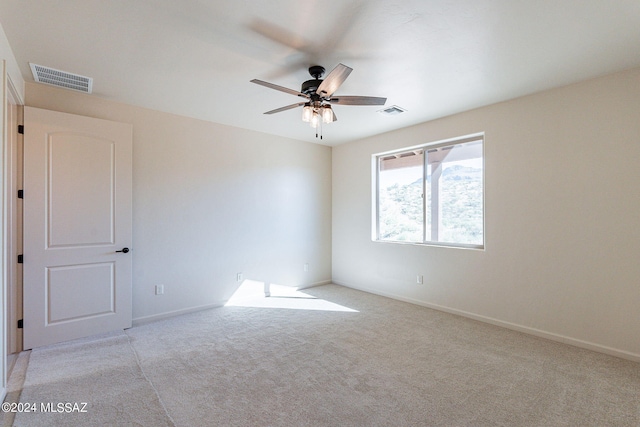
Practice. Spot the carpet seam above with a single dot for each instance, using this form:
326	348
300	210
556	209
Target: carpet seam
155	390
10	416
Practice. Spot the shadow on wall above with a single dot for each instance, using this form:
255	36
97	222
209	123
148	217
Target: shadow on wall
252	293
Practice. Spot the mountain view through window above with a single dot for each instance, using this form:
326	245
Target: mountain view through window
432	194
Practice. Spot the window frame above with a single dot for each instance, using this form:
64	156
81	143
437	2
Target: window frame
375	212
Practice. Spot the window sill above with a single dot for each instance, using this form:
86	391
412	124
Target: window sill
434	244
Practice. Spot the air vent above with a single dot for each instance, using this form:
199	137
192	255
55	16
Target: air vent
61	79
392	111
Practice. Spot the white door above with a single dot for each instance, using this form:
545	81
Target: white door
77	224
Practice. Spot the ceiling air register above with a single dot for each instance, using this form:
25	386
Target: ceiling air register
62	79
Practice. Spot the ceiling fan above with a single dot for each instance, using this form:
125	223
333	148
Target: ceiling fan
319	96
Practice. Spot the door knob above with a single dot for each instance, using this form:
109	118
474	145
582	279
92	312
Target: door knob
124	250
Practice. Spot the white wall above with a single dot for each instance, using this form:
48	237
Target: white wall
562	203
210	201
13	71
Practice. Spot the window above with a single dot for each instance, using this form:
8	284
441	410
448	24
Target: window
431	194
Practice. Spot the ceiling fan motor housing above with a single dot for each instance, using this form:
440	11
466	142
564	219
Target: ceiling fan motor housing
310	86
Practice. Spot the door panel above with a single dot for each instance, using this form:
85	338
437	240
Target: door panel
77	292
77	214
80	212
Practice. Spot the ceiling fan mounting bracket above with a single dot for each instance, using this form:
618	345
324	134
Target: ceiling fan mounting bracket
316	71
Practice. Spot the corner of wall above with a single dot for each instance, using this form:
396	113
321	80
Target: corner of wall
13	70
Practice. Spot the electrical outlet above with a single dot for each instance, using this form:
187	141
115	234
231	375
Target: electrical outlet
159	289
306	267
239	277
419	279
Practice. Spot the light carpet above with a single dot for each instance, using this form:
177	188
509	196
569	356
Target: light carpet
359	360
101	372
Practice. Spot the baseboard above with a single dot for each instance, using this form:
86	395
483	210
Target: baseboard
508	325
313	285
138	321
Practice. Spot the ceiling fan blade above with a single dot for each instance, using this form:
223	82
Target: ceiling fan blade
279	35
280	88
288	107
357	100
332	82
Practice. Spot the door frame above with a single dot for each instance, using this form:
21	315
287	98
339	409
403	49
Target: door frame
13	223
11	277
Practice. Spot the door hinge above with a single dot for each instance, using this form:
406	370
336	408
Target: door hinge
20	259
20	324
20	194
21	129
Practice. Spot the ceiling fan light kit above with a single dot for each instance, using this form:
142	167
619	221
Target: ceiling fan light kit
319	95
312	115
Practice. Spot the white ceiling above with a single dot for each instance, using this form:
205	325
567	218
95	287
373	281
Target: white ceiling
433	58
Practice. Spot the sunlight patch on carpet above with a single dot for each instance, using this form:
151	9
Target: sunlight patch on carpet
251	293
